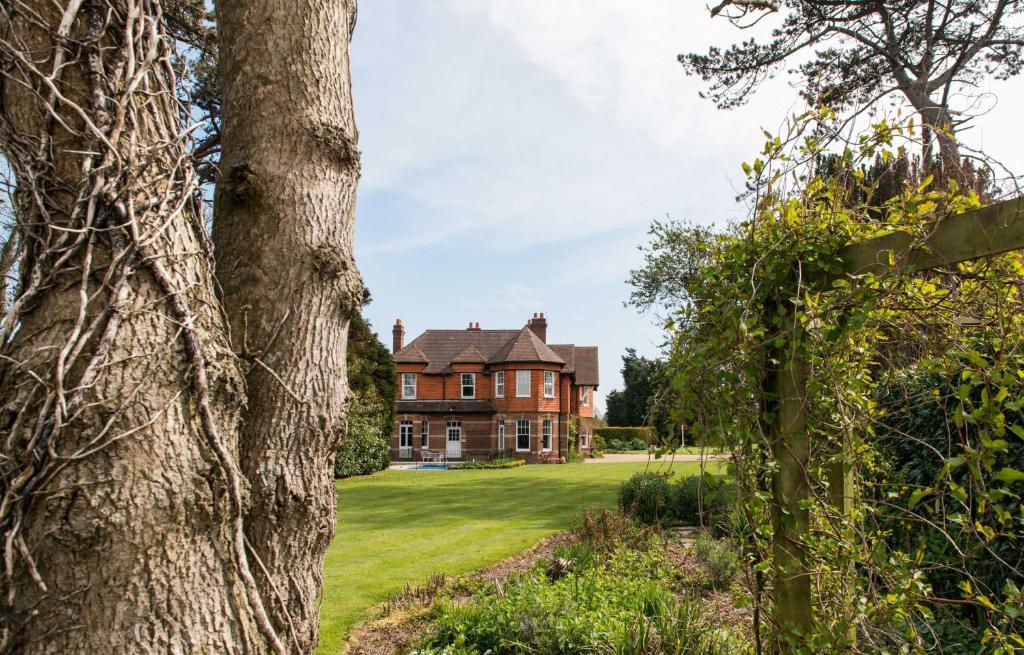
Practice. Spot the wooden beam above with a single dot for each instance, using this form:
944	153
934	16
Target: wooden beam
791	448
974	234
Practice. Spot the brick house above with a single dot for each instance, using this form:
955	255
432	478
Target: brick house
478	394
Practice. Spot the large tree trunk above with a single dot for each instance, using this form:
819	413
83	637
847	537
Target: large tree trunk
283	230
938	124
121	507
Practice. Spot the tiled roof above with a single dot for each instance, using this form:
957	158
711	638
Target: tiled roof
526	347
586	365
470	355
411	354
439	349
567	352
445	406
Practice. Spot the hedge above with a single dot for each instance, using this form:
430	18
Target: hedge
626	434
493	464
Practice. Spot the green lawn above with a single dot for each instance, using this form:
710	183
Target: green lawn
398	526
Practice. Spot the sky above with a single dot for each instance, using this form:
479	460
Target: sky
516	152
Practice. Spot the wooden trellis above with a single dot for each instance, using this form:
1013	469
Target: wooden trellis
975	234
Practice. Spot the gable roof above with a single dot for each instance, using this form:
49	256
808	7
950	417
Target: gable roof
470	355
525	347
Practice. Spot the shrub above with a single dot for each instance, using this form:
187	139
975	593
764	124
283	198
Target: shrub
647	496
365	448
600	445
719	495
636	443
721	562
606	530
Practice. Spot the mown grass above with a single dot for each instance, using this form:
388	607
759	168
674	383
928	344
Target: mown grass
399	526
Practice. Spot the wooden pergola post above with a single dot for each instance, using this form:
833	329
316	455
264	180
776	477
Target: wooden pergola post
974	234
790	517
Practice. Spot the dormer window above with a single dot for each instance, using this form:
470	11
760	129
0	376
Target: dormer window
469	385
549	384
499	384
585	396
408	386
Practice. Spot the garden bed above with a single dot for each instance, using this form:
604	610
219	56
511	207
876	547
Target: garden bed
604	582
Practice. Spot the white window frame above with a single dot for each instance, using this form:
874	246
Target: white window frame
520	424
405	434
406	386
501	435
584	439
585	396
499	384
471	385
549	383
546	435
519	383
424	434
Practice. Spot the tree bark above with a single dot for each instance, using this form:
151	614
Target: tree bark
121	505
283	229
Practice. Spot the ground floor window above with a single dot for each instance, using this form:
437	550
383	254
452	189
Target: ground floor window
501	435
405	434
546	433
522	435
584	440
425	434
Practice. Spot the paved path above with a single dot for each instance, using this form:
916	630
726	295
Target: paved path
613	458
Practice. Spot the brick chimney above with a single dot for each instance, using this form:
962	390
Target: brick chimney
397	336
473	326
539	325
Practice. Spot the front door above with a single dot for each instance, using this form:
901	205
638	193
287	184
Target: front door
454	449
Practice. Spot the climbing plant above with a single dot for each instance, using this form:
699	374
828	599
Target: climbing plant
886	549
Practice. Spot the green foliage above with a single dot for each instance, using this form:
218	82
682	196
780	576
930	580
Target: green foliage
647	397
501	463
719	559
365	448
656	498
922	534
704	500
617	600
648	496
921	476
630	435
372	382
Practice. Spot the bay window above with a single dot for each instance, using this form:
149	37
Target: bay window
522	384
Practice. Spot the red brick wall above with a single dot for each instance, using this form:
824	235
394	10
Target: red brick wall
480	434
